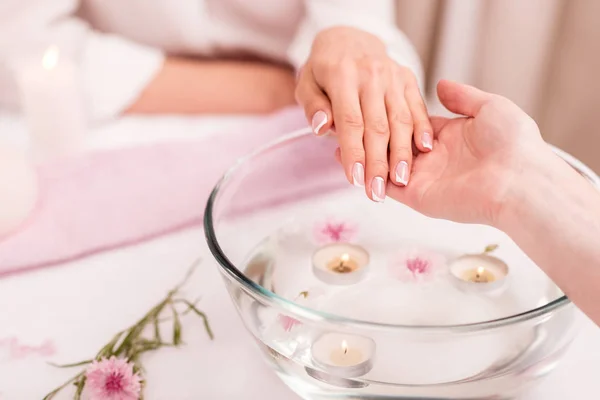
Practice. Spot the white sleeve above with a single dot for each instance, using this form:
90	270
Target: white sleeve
114	70
376	17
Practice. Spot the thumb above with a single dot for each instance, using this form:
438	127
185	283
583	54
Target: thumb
462	99
316	104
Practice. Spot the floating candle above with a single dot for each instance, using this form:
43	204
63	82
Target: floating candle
340	263
479	272
343	355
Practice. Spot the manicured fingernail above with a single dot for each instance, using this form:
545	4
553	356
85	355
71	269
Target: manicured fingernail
402	173
358	174
427	141
318	121
378	189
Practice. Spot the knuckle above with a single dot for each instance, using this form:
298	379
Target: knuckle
402	117
406	73
373	67
379	126
401	152
355	153
354	122
345	70
422	123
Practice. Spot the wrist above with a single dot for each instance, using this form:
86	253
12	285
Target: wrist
533	182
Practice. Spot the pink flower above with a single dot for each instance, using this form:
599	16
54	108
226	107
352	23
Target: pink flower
416	265
287	323
332	231
113	379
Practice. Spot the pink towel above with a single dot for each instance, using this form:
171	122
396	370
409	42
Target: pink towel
108	199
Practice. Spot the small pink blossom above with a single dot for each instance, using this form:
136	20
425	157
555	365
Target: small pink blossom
332	231
416	265
287	323
113	379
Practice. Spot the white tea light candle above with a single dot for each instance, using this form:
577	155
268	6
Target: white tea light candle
343	355
52	103
340	263
479	272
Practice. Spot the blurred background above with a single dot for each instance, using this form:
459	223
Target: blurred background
542	54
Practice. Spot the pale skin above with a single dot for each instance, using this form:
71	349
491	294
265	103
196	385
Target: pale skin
200	86
492	167
375	104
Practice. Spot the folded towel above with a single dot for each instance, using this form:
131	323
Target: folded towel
106	199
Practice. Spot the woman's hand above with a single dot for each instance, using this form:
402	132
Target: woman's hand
476	160
375	104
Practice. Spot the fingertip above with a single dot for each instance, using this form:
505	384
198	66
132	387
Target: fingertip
357	176
377	189
400	174
321	122
426	142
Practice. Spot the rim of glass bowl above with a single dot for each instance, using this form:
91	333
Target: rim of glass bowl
271	298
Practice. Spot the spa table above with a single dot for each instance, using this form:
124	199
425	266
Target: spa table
79	305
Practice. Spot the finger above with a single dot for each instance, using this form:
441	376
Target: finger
350	129
315	102
376	140
401	128
423	132
462	99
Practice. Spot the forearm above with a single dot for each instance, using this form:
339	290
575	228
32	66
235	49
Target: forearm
215	87
553	214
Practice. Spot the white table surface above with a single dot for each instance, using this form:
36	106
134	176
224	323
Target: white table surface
81	304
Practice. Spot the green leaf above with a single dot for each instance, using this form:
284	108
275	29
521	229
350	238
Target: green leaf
80	385
107	350
176	327
157	329
53	393
489	248
79	364
201	315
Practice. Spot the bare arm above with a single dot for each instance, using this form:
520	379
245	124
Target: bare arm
553	214
186	86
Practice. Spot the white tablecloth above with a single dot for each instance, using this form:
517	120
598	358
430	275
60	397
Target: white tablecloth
80	305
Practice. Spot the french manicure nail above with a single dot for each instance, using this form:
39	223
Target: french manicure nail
358	175
378	189
318	121
427	141
402	173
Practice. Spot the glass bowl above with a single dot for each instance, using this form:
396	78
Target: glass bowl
347	298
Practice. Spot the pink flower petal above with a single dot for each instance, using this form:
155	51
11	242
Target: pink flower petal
113	379
416	265
287	323
334	231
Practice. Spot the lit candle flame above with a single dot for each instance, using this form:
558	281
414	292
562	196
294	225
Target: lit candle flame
480	271
50	58
345	258
344	346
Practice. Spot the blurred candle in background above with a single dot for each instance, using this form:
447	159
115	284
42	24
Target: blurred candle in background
52	104
18	188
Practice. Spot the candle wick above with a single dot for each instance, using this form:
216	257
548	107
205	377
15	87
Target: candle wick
345	350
